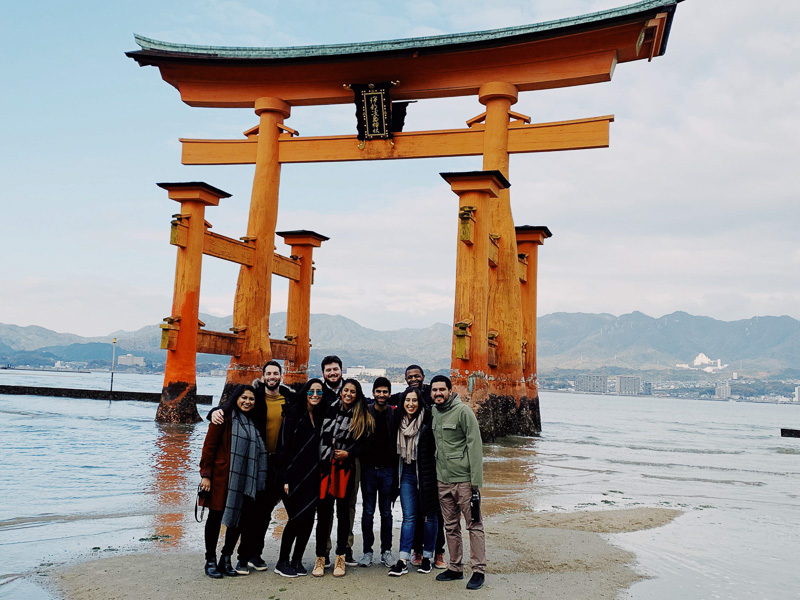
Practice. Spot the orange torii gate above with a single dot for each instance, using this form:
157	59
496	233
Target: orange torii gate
494	344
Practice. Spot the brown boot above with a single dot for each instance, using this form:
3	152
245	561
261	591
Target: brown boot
338	566
319	567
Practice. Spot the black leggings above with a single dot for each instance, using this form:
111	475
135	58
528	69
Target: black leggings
297	532
324	518
213	525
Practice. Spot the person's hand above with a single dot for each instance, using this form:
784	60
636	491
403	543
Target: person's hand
205	484
286	487
217	417
340	454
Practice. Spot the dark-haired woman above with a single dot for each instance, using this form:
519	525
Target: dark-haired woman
419	496
298	451
345	428
233	467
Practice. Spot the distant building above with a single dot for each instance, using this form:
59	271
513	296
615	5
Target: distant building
647	388
362	372
595	384
129	360
797	394
723	390
629	385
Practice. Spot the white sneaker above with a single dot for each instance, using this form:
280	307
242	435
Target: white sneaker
387	558
366	560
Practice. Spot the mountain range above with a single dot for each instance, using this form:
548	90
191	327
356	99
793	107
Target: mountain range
760	345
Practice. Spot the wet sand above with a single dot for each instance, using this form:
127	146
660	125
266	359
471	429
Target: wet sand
548	555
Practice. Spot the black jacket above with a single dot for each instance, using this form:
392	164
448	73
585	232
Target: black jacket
298	458
426	462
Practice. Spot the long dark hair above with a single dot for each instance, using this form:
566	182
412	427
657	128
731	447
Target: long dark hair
362	422
302	396
401	405
231	403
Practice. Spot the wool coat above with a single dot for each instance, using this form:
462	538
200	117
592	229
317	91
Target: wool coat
215	463
298	458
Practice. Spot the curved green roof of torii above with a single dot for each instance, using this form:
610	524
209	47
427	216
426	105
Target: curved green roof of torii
447	42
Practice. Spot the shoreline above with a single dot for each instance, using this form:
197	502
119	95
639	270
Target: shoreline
556	554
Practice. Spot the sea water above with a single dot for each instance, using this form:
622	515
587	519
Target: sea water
89	478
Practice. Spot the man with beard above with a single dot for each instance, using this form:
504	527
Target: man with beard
271	396
459	471
378	474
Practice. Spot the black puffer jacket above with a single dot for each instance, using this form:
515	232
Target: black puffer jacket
426	462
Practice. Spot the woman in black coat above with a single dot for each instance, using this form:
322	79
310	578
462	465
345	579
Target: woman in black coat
419	495
298	451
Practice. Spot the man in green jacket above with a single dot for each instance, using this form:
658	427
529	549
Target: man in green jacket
459	470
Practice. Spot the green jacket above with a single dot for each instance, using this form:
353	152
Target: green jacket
459	450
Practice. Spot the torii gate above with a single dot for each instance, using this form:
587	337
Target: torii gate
494	343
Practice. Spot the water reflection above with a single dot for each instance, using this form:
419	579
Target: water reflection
171	465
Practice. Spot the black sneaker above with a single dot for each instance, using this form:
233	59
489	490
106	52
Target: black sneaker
212	570
476	581
449	575
225	567
398	569
298	567
242	568
258	563
284	569
424	566
348	558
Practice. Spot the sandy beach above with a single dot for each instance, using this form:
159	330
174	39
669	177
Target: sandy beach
548	555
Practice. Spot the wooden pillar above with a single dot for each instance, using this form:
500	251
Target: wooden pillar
469	359
298	310
251	306
529	238
505	303
179	393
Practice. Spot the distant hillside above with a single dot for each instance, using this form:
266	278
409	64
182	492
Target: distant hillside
762	345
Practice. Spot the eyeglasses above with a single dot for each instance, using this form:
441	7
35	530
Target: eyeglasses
315	392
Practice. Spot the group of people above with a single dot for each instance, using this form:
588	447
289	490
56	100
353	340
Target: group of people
314	448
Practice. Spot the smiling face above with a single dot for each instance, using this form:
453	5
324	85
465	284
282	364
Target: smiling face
381	395
332	373
411	403
349	395
414	378
246	401
439	392
314	395
272	377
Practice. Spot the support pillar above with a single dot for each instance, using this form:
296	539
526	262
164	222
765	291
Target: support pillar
505	305
178	396
469	361
529	238
298	311
251	306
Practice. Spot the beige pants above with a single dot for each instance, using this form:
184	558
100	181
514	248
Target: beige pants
454	500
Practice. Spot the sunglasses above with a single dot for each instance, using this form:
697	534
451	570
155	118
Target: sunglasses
315	392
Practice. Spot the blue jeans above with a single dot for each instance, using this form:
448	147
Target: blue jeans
376	483
412	511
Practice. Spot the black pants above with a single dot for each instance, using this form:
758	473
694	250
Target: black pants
418	532
297	532
252	544
213	525
324	519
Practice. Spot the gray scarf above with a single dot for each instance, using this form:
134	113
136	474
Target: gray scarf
335	434
408	435
248	469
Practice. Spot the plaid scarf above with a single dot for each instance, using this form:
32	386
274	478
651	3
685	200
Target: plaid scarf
248	470
335	433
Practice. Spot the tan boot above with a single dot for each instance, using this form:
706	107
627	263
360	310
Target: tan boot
319	567
338	566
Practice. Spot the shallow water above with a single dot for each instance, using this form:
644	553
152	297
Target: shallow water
87	478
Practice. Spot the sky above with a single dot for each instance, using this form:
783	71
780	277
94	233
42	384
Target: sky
693	207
